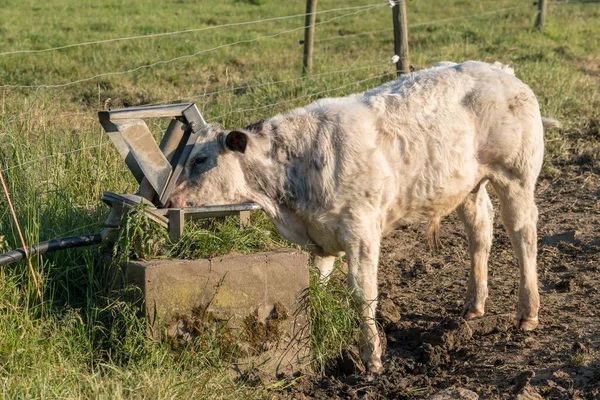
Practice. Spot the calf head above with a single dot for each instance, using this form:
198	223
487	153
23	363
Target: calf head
213	173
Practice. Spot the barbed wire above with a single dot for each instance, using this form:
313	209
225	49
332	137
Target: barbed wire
360	9
317	40
193	30
438	21
162	62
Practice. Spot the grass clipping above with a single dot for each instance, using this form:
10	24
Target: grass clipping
140	238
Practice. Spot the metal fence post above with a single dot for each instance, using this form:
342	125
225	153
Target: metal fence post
176	223
401	37
309	35
541	16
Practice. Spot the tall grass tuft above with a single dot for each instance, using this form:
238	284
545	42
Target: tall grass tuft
334	319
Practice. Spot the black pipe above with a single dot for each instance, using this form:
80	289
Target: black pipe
51	245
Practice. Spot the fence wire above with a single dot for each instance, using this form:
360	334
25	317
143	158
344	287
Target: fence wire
303	96
358	9
162	62
30	162
155	35
86	114
54	155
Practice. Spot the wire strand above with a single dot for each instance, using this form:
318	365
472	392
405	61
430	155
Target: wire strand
307	77
154	35
162	62
302	97
196	96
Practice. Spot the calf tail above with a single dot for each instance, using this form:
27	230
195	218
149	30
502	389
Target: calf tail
550	123
433	234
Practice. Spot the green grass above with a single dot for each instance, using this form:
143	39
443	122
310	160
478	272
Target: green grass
89	342
334	318
141	238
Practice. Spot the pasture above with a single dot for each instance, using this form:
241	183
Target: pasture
87	341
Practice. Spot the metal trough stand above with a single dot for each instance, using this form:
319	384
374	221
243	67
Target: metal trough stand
157	167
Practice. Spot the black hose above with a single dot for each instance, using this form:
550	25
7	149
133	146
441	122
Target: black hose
51	245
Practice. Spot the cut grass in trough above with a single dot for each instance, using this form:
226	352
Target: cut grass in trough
140	238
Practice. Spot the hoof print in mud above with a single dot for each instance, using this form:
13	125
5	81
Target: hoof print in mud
451	335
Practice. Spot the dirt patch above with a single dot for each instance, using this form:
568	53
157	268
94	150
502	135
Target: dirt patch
258	334
204	331
430	349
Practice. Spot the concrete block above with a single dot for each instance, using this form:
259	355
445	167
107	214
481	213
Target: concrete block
260	298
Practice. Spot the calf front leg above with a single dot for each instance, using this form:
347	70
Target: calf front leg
477	213
362	251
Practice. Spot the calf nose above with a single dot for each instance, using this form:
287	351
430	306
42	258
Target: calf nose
175	202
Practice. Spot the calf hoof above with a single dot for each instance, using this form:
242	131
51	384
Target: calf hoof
375	366
470	311
528	324
472	315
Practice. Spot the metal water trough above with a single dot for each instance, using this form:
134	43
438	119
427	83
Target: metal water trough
157	167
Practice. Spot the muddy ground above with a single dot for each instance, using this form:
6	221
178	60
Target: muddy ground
421	297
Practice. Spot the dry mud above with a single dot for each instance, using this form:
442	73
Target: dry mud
429	348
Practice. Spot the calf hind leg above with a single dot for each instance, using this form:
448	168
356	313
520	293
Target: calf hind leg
519	215
477	213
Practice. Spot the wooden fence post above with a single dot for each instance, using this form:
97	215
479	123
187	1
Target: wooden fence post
541	16
309	35
401	37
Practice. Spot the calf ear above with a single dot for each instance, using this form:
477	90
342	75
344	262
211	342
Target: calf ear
236	141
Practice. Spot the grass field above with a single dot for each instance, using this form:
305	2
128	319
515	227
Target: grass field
87	341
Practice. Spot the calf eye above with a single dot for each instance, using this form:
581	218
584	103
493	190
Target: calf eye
200	160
